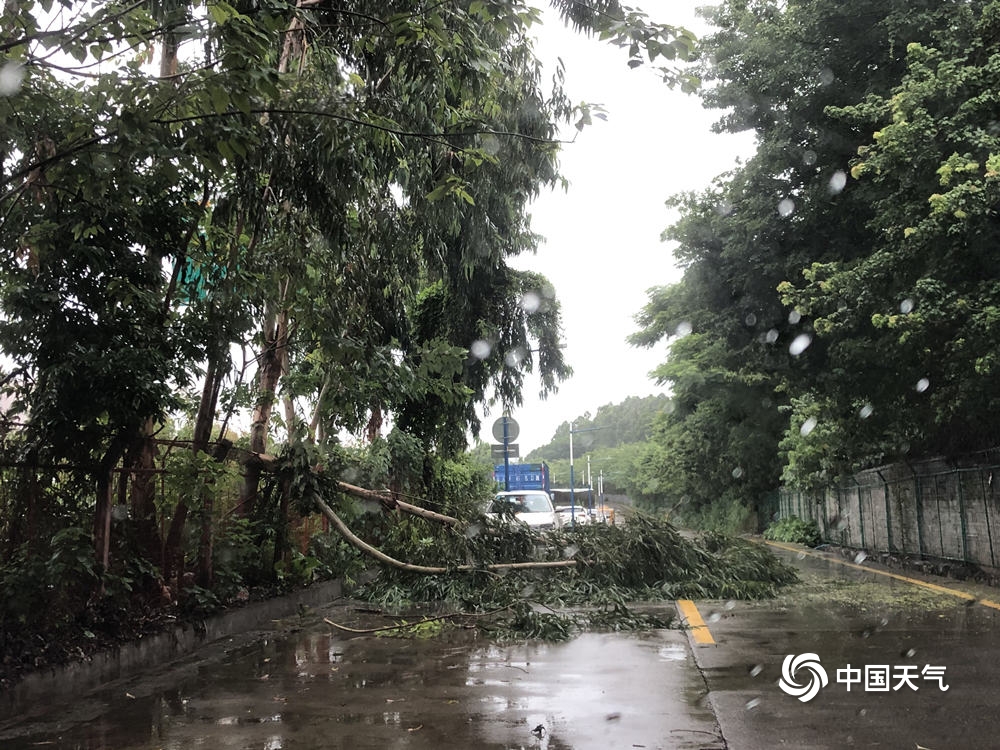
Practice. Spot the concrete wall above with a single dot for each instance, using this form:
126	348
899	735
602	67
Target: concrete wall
934	509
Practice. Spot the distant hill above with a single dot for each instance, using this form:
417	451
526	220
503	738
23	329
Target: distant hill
629	422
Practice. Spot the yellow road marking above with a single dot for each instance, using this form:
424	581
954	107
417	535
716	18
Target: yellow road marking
916	582
699	630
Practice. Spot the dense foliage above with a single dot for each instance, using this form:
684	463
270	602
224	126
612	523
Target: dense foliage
233	233
794	529
838	307
643	560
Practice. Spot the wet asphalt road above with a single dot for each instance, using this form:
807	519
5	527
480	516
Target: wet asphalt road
311	687
850	617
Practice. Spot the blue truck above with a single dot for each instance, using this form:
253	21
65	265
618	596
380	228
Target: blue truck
523	476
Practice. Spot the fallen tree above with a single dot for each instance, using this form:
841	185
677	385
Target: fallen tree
376	554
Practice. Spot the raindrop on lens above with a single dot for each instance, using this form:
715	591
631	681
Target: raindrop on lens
480	349
808	426
472	531
906	306
530	302
570	551
910	653
786	207
514	357
724	208
753	703
772	336
11	77
794	317
751	320
714	617
860	557
800	344
923	384
737	472
866	411
756	670
837	182
826	77
862	712
730	604
809	157
683	329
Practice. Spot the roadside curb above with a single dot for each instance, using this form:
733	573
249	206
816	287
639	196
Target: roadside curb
80	677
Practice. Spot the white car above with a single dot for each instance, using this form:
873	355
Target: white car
533	507
570	515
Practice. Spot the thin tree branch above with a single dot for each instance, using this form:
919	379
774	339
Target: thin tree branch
374	552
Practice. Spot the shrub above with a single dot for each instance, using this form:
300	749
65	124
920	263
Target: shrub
794	529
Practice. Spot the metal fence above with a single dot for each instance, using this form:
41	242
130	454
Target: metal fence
933	509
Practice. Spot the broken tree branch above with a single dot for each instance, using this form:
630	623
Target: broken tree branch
376	553
389	501
404	625
269	463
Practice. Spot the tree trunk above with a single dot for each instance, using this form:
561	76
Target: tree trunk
172	552
143	496
104	482
273	364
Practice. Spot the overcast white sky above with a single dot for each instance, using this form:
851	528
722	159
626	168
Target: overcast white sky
602	247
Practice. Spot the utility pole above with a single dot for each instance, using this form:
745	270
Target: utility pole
572	488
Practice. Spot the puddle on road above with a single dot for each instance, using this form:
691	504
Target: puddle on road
316	689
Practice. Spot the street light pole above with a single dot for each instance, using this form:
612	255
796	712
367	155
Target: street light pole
572	496
572	488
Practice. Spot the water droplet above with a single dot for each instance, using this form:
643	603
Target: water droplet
826	77
753	703
730	604
866	411
683	329
737	472
772	336
884	621
756	670
802	555
808	426
724	208
923	384
11	78
838	523
472	530
862	712
750	319
837	182
794	317
910	653
906	306
480	349
800	344
530	302
514	357
570	551
860	557
808	157
786	207
714	617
